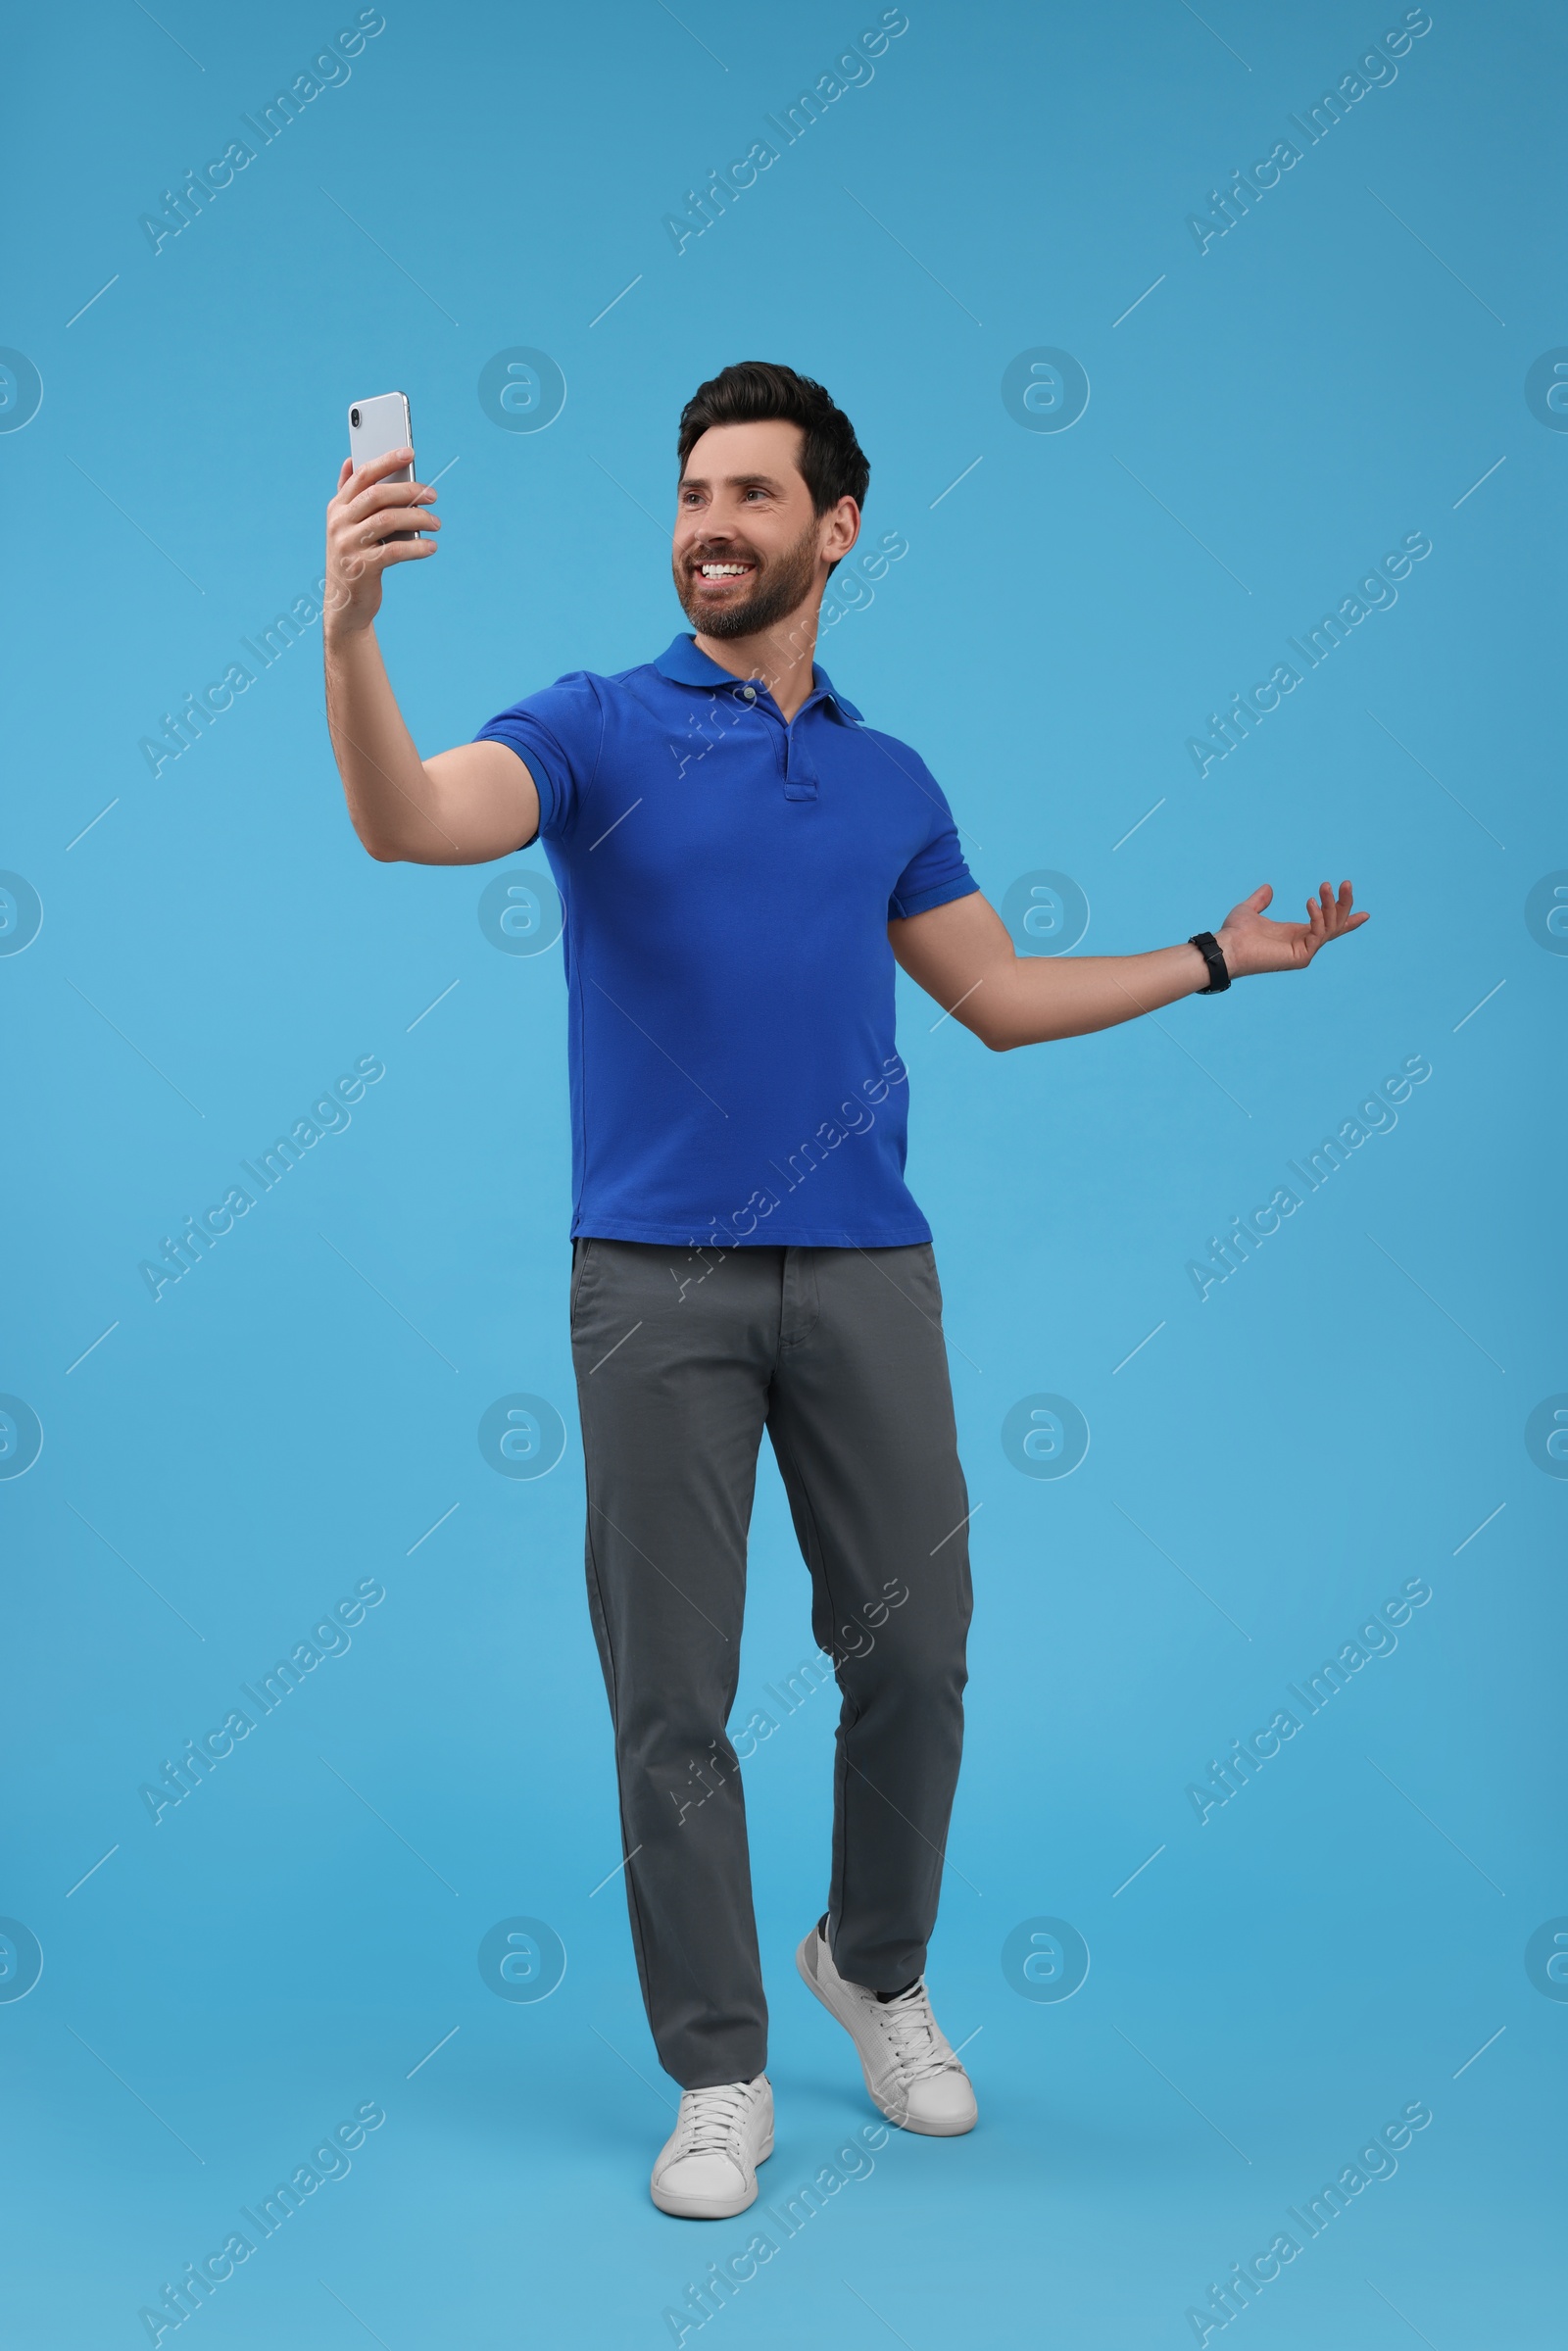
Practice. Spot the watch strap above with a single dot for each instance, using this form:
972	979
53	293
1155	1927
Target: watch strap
1208	947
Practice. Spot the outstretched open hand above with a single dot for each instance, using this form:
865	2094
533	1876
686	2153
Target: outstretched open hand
1250	943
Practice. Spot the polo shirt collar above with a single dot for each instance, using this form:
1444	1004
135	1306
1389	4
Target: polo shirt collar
684	664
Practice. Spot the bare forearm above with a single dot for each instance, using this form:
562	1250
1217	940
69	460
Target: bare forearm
457	808
393	801
1034	999
961	955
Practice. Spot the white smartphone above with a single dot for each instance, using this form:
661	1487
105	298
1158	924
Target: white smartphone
376	425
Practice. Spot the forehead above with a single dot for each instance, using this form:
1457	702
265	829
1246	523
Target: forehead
735	452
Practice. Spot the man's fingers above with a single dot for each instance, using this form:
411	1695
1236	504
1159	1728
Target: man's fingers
358	561
391	461
384	493
401	551
355	480
387	520
1341	916
380	494
1254	905
381	524
370	540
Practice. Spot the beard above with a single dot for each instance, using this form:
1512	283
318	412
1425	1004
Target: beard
779	586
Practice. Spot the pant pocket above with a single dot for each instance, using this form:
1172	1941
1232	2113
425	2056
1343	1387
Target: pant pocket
581	1253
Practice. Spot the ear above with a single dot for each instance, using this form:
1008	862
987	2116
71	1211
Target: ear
842	531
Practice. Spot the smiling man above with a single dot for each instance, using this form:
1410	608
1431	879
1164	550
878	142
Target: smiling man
743	862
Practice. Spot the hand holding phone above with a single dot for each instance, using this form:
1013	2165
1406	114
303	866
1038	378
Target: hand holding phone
376	484
382	427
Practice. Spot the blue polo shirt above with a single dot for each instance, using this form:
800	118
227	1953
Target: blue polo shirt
728	880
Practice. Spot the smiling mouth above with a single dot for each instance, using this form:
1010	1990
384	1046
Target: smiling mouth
715	574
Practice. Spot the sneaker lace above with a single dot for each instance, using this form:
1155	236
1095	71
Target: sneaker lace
710	2118
913	2034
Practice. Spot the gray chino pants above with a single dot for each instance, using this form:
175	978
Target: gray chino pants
682	1359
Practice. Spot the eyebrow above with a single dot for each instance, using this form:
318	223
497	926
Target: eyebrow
732	482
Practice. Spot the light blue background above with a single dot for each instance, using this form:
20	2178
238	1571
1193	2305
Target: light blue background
1343	1938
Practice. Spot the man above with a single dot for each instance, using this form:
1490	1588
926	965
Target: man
742	861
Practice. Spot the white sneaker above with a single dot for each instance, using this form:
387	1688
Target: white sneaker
707	2169
907	2059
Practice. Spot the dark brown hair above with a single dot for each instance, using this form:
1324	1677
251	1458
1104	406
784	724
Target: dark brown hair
833	464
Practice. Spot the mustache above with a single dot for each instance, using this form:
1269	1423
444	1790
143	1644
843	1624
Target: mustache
722	555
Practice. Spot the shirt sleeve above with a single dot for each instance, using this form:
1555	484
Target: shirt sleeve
558	735
937	871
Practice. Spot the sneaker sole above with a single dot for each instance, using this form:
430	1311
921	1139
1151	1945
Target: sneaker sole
900	2120
709	2208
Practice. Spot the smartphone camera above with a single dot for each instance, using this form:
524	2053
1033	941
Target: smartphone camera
354	417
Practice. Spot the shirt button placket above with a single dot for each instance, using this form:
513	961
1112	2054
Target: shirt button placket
800	772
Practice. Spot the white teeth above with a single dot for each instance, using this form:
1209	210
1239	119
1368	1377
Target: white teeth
724	570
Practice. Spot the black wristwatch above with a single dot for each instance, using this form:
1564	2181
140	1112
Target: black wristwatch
1208	947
